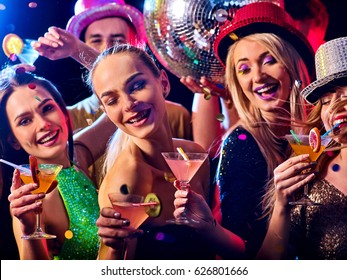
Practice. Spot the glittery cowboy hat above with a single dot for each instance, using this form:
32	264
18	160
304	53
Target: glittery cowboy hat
88	11
331	69
262	17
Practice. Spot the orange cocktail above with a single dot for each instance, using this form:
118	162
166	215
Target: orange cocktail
47	173
303	147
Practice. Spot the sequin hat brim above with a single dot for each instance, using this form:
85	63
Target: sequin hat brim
331	69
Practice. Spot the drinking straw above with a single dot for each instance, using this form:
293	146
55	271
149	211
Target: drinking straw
295	136
182	153
145	204
330	130
21	168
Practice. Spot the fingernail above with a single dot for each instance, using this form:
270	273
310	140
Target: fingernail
185	193
126	222
36	186
116	215
41	195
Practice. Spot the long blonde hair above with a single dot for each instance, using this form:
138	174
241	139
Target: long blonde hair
251	116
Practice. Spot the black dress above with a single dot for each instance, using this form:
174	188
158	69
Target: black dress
242	177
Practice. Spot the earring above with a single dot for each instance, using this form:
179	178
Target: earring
298	84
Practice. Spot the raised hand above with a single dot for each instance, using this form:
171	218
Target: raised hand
58	43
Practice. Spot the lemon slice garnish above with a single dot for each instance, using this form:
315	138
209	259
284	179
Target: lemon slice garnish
12	44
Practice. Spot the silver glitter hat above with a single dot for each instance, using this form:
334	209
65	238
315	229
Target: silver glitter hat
331	69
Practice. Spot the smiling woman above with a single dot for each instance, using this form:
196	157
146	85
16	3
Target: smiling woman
261	70
40	126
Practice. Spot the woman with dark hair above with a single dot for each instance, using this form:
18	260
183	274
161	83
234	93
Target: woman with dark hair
35	122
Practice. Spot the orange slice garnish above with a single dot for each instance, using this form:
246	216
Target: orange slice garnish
314	139
12	44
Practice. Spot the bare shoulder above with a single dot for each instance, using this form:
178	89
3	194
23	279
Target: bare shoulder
129	171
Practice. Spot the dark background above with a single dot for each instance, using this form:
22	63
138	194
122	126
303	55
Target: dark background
30	23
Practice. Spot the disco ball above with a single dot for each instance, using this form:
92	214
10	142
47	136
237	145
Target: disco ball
181	33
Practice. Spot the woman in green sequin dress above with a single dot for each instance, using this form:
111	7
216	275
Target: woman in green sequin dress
317	231
34	121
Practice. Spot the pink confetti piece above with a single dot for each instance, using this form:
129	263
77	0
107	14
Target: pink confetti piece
32	86
13	57
242	137
32	5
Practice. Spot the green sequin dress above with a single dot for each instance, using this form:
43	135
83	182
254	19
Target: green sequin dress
81	202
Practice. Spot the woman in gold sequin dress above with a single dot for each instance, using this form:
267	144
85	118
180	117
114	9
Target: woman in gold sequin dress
320	231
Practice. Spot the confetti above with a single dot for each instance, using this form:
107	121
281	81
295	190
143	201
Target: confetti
20	70
207	96
336	167
32	86
242	137
68	234
37	98
13	57
169	177
220	117
124	189
32	5
330	153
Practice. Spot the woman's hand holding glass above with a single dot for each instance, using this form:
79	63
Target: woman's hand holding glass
193	206
23	204
289	178
113	229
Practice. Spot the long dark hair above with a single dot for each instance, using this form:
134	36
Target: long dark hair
10	79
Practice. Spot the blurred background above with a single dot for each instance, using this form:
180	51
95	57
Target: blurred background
31	19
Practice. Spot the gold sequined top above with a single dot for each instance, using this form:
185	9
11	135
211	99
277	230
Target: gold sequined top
320	232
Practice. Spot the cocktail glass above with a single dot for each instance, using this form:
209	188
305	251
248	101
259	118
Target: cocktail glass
131	207
47	173
303	147
184	170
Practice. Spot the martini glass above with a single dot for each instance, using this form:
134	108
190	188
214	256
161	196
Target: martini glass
303	147
184	169
47	173
133	208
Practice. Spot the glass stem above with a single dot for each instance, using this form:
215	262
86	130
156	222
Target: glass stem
38	219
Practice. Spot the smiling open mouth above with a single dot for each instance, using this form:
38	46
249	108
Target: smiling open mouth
140	116
50	137
267	92
339	125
